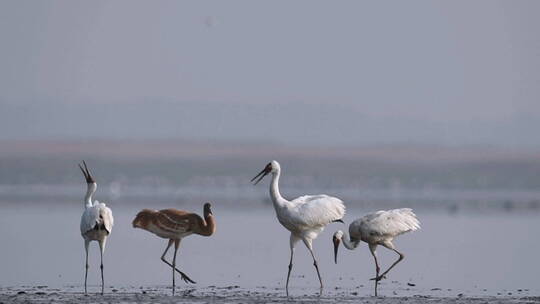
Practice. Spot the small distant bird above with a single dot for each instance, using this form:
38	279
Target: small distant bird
378	228
174	225
96	222
305	217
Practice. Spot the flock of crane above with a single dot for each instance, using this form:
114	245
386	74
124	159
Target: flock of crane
305	217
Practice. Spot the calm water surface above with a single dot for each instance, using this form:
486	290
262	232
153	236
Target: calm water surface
474	254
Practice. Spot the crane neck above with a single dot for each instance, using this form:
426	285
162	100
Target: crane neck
91	188
348	243
208	227
277	199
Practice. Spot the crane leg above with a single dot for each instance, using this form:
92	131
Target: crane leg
292	243
401	257
183	276
86	243
377	268
174	265
101	249
289	273
309	245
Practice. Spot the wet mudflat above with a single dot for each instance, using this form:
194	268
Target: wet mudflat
230	294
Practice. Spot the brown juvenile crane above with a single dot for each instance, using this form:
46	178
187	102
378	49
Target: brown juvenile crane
174	225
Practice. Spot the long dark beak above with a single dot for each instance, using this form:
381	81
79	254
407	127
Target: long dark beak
86	173
336	247
262	174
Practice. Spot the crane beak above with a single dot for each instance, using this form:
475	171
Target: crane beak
336	247
261	175
86	173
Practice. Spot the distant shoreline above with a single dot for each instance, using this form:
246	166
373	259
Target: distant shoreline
177	148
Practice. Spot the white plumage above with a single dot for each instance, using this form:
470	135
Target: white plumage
385	225
318	210
96	222
378	228
97	214
305	217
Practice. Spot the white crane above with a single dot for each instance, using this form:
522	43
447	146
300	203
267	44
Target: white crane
378	228
96	222
305	217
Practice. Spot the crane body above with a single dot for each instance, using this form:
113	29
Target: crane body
378	228
96	223
174	225
305	217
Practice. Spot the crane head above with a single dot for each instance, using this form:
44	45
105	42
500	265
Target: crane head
207	209
267	169
336	239
86	173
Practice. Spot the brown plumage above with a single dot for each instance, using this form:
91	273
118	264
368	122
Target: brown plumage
174	225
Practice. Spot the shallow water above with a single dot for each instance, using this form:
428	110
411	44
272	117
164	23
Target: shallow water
483	254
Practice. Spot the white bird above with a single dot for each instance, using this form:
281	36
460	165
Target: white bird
378	228
305	217
96	222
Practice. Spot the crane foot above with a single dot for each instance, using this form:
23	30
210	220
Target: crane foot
378	278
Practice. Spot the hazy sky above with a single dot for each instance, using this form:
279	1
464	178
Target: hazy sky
308	72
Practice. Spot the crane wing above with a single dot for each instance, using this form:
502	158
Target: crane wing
318	210
89	219
176	221
107	217
389	223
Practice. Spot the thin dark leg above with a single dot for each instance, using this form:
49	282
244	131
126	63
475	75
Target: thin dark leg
183	276
101	250
401	257
174	266
310	248
86	271
377	268
319	275
292	243
289	273
102	278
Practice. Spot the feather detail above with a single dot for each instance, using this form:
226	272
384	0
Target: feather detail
384	224
97	214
